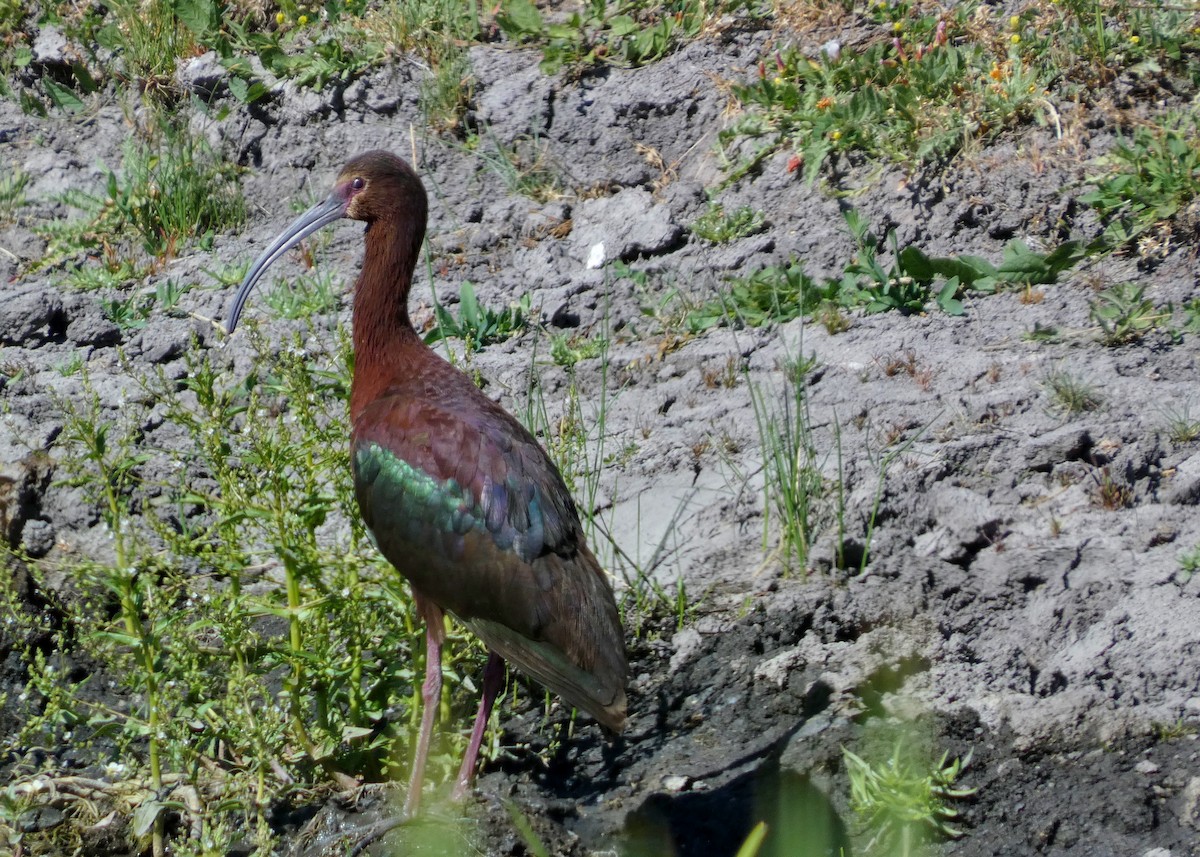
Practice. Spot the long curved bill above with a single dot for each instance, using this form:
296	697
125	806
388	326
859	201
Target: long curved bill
327	211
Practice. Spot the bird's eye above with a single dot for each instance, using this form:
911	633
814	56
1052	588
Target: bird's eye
358	184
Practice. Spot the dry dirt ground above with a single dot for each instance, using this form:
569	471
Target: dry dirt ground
1004	610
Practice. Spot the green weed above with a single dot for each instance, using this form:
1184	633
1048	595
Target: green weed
1151	176
902	803
305	295
566	350
477	325
794	491
718	227
1189	563
1125	314
263	649
12	193
1181	425
637	34
777	293
1071	395
914	277
908	284
171	190
937	83
524	167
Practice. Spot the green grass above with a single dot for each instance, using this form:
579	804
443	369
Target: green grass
1181	425
312	293
12	193
797	503
171	191
1071	395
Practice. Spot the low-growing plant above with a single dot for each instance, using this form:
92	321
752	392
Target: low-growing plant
12	193
308	294
1125	314
171	189
261	649
915	277
525	167
717	226
636	35
1151	176
566	349
923	88
1181	425
777	293
795	505
476	324
1111	493
908	284
1070	394
1189	563
903	803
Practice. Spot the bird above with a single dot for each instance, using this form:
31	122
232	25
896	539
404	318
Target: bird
456	493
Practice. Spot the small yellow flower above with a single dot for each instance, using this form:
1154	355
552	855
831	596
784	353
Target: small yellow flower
1014	22
778	80
1134	39
898	27
303	19
835	135
1016	39
279	19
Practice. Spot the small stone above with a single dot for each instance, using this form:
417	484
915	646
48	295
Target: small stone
1146	767
37	537
1183	488
50	47
686	644
676	783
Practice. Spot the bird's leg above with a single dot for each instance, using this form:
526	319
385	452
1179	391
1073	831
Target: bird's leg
431	694
493	679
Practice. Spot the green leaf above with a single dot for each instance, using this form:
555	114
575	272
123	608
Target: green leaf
239	88
199	16
145	815
519	19
947	298
62	96
622	25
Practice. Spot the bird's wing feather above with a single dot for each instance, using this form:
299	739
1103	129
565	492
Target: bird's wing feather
469	508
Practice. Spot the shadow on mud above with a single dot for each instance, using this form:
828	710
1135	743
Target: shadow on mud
801	822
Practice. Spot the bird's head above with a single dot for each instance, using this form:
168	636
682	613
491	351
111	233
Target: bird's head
373	186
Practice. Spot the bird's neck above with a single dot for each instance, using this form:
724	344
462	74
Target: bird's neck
386	347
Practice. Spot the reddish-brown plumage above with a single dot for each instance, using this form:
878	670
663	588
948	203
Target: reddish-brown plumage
458	495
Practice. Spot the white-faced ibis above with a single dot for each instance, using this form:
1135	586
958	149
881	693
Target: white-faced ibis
455	492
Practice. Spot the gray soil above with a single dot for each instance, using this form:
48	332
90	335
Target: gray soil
1003	607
